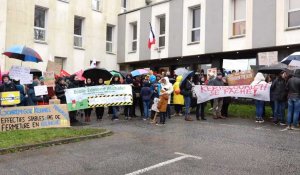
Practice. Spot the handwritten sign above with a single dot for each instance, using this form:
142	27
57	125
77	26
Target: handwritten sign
49	79
258	92
26	79
34	117
10	98
268	58
240	78
53	67
16	71
40	90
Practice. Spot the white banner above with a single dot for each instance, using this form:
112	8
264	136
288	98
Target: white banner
258	92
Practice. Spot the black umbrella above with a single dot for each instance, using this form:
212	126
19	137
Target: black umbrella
273	69
292	60
96	73
36	72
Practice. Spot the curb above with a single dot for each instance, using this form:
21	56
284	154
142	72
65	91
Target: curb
55	142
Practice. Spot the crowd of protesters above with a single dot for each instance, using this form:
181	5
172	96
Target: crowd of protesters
154	97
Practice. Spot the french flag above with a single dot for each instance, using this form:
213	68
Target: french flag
151	39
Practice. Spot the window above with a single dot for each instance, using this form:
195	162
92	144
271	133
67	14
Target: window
78	21
195	28
162	31
40	24
59	64
96	5
134	36
239	17
124	4
109	38
293	13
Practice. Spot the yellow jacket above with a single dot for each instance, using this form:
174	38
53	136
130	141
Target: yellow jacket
177	97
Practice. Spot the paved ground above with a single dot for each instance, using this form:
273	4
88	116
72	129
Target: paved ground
232	146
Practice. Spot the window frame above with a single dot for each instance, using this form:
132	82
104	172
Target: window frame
35	28
288	11
160	35
77	36
134	40
192	29
99	5
235	21
112	38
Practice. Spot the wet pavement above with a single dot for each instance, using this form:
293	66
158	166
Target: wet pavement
231	146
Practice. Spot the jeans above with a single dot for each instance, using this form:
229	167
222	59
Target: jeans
146	105
99	112
217	107
163	116
178	108
115	112
279	111
187	104
259	109
168	111
293	111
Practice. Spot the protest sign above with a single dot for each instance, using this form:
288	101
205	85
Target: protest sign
40	90
16	71
49	79
34	117
53	67
240	78
10	98
268	58
96	96
26	79
212	71
258	92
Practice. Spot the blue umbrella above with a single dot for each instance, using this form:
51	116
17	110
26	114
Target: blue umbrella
185	76
292	60
23	53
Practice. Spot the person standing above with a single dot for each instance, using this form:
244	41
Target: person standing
259	79
74	83
32	99
178	99
60	89
162	106
293	87
218	102
88	111
146	94
115	81
226	102
186	90
128	110
99	110
165	84
279	94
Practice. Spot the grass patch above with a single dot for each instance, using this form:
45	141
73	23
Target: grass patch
27	137
241	111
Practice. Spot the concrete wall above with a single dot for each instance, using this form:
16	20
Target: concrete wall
3	16
121	38
264	23
144	53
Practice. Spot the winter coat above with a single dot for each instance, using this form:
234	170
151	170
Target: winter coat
8	87
278	89
168	86
32	99
22	95
259	79
187	89
216	82
293	85
177	97
146	93
60	93
163	103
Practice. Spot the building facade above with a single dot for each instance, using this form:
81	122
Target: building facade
70	33
199	32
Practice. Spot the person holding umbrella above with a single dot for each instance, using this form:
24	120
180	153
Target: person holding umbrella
186	90
115	80
88	111
99	110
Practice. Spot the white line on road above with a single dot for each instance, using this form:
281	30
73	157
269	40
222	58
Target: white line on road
183	156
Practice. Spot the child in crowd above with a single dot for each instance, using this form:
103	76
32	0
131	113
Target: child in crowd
162	106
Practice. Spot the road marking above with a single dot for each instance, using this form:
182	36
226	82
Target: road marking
183	156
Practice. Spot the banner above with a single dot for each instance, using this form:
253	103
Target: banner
258	92
98	96
240	78
49	79
34	117
10	98
40	90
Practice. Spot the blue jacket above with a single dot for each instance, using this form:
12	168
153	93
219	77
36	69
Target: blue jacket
146	93
32	99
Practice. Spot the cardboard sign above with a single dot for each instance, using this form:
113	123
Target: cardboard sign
258	92
49	79
241	78
98	96
17	71
268	58
212	71
26	79
54	101
34	117
40	90
10	98
53	67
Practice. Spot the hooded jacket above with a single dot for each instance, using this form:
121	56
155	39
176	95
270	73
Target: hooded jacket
259	79
146	92
169	88
177	97
293	85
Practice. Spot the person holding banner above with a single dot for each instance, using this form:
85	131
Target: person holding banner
259	79
88	111
99	110
7	85
218	102
32	99
115	80
60	89
74	83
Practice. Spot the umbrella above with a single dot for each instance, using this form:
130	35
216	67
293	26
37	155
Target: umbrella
273	69
185	76
120	74
292	60
96	73
181	71
36	72
139	72
23	53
